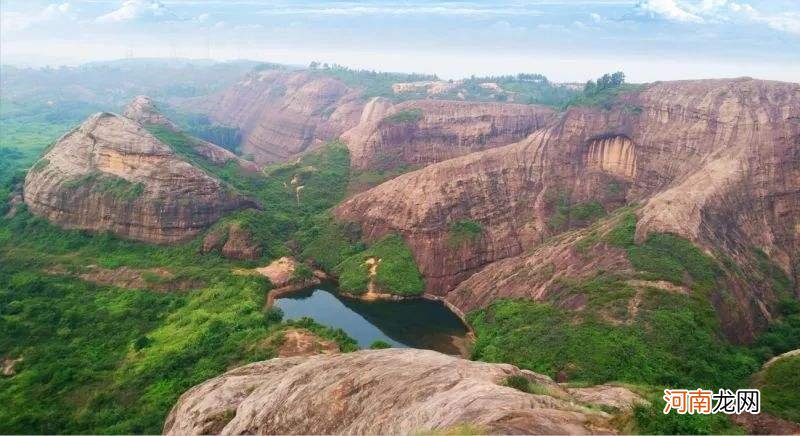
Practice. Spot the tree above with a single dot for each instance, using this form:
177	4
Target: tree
590	87
617	79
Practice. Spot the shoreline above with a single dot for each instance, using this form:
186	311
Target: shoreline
370	296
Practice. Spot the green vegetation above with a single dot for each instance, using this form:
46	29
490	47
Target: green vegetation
463	231
397	272
328	242
301	273
406	116
652	420
670	343
567	215
604	92
521	88
119	188
287	214
379	345
387	168
671	340
374	84
98	359
779	388
200	126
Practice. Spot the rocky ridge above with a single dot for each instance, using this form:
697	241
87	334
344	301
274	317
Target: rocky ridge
714	161
391	391
283	113
111	174
427	131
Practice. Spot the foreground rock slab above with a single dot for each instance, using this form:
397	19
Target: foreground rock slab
392	391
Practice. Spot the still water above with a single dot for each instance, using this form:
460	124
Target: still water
415	323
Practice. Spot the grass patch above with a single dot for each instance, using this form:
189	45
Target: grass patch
566	215
652	420
780	388
397	273
406	116
463	232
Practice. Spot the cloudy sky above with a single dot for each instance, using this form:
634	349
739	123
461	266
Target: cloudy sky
568	40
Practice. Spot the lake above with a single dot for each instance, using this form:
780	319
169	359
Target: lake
413	323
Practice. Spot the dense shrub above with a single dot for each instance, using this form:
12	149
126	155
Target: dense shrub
396	273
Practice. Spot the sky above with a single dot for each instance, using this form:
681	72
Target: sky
567	40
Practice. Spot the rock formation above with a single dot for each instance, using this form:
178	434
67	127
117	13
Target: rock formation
391	391
714	161
111	174
143	110
427	131
233	241
284	113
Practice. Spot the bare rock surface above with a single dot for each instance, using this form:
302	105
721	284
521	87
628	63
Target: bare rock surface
279	271
301	342
714	161
144	111
391	391
240	244
436	130
111	174
616	397
282	114
154	279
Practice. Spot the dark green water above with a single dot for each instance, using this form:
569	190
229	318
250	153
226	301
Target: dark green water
413	323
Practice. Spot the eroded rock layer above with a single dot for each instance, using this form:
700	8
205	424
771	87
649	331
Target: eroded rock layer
392	391
282	114
111	174
714	161
426	131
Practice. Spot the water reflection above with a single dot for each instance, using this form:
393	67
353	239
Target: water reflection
413	323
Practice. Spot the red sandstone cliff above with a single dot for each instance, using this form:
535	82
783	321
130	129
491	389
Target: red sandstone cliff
428	131
111	174
715	161
282	113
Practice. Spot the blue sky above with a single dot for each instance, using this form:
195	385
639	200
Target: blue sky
566	40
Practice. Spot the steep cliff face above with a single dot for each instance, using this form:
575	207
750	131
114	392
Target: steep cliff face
392	391
282	114
428	131
111	174
715	161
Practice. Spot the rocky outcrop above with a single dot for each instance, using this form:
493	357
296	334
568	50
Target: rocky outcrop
392	391
427	131
301	342
280	272
232	241
111	174
153	279
714	161
144	111
284	113
240	244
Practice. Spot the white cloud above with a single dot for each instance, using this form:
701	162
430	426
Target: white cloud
15	21
669	9
138	10
701	11
444	9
